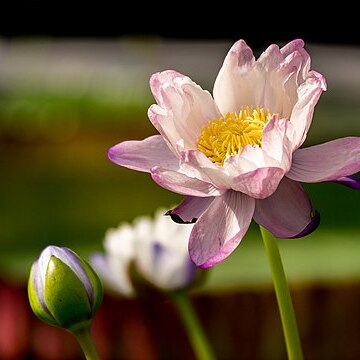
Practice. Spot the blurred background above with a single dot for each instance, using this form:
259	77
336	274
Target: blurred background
71	86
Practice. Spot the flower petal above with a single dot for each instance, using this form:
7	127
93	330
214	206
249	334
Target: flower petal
292	46
283	70
297	46
326	162
190	209
271	58
183	108
69	258
220	228
288	212
183	184
195	164
113	273
232	88
143	155
276	141
308	95
259	183
352	182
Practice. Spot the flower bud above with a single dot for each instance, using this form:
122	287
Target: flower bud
63	289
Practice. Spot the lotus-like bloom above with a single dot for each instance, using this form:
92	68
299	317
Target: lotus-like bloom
63	289
236	155
157	249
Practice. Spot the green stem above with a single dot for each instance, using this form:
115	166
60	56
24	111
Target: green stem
83	336
287	314
199	342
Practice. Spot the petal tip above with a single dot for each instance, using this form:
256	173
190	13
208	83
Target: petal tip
176	218
111	154
310	227
350	181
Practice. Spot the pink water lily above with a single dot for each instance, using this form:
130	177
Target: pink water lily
236	155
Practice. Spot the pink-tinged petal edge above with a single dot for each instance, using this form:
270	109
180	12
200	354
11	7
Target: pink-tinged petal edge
288	213
219	230
142	155
302	113
190	209
330	161
182	184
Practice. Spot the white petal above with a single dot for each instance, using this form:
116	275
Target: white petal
308	95
236	81
183	109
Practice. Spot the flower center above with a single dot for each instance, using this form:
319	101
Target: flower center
227	136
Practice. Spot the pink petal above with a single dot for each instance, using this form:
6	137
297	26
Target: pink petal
308	95
292	46
183	109
271	58
220	228
254	172
183	184
195	164
326	162
190	209
235	81
288	212
259	183
143	155
297	46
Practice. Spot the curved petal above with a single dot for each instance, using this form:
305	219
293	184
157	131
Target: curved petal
183	184
190	209
308	95
326	162
292	46
297	46
250	158
276	141
195	164
271	58
183	109
352	182
236	79
220	228
143	155
288	212
259	183
254	172
284	70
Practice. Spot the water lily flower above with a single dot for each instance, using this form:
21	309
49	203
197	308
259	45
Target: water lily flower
63	289
157	248
236	155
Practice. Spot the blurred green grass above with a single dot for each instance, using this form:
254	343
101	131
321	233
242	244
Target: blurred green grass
58	187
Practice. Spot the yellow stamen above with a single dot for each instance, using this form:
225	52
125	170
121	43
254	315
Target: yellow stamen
226	137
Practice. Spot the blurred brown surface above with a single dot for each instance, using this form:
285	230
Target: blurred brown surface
243	325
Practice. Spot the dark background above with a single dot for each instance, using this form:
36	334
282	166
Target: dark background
260	24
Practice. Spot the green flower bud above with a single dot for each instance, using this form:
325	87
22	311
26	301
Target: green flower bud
63	289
